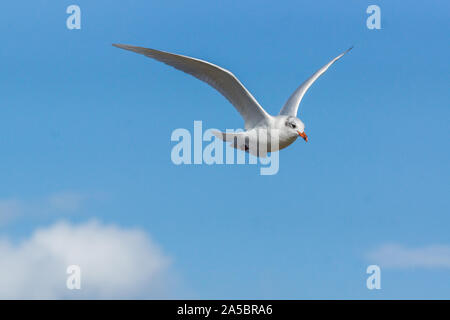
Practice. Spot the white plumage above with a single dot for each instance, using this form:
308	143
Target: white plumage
262	129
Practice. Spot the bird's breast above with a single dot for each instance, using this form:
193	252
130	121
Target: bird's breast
286	141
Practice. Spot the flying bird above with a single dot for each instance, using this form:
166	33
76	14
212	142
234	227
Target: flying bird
286	127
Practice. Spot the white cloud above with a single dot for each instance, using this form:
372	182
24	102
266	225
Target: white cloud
398	256
115	263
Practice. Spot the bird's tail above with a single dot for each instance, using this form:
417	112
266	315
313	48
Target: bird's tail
228	136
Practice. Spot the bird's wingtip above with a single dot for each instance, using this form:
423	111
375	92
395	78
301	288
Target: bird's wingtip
123	46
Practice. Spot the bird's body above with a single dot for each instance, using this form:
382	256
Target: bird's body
264	132
262	135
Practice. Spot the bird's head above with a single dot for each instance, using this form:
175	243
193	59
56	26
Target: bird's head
296	127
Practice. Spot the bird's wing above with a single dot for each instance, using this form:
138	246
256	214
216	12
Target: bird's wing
291	106
220	79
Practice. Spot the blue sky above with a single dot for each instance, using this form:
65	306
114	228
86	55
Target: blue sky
88	121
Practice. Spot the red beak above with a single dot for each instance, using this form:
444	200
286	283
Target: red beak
303	135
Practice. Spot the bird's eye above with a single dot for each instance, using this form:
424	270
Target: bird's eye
294	126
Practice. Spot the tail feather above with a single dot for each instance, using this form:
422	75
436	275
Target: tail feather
228	136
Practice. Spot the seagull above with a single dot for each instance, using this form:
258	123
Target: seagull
285	127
